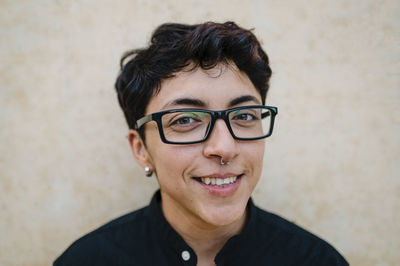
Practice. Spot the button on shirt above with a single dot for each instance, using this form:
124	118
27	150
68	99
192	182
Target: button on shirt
144	237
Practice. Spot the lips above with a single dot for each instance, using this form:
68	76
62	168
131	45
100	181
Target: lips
219	180
215	181
220	185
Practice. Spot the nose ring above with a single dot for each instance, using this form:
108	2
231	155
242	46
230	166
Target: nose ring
224	162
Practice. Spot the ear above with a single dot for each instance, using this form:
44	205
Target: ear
139	150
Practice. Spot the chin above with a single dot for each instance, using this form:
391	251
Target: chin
223	216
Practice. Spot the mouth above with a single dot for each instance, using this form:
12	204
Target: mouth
218	182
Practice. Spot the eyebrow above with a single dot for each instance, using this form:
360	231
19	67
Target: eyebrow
186	101
200	103
244	98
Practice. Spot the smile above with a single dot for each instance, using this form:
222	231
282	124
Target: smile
219	182
222	186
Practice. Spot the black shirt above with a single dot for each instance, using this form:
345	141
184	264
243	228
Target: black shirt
144	237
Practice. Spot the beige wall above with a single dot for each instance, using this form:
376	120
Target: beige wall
331	166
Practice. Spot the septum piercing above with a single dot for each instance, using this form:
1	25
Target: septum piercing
224	163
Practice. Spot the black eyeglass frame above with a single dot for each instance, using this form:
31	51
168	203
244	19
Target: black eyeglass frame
223	114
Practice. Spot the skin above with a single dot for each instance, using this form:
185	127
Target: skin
204	220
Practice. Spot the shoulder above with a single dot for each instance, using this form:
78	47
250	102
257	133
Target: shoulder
281	226
288	239
110	241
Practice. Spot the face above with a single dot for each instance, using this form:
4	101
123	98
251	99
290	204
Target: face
180	169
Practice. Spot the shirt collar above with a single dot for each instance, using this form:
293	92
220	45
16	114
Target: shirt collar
167	234
164	233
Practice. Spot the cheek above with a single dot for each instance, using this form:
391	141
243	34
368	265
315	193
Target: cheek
260	154
255	155
167	157
172	161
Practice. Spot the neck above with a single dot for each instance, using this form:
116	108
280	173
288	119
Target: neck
204	238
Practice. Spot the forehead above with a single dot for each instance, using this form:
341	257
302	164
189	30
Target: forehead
215	88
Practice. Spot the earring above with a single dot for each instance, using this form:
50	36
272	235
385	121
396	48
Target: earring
147	171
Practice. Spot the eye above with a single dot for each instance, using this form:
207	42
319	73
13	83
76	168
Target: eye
183	121
244	117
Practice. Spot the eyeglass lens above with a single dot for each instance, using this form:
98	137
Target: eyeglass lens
190	126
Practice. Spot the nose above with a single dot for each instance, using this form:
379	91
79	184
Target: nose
220	144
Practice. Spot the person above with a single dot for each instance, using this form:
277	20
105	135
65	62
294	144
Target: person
194	100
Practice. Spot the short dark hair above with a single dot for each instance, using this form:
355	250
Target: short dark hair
176	46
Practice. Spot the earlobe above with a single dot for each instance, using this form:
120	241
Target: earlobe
139	149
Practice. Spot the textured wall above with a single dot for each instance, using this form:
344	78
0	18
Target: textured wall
331	166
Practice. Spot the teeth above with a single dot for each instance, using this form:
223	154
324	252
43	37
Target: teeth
218	181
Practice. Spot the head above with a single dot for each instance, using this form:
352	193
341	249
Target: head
175	47
211	66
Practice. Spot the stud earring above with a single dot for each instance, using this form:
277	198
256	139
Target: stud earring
147	171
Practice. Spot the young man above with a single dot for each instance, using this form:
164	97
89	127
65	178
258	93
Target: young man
194	102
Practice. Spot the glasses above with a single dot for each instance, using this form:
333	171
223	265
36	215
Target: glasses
189	126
